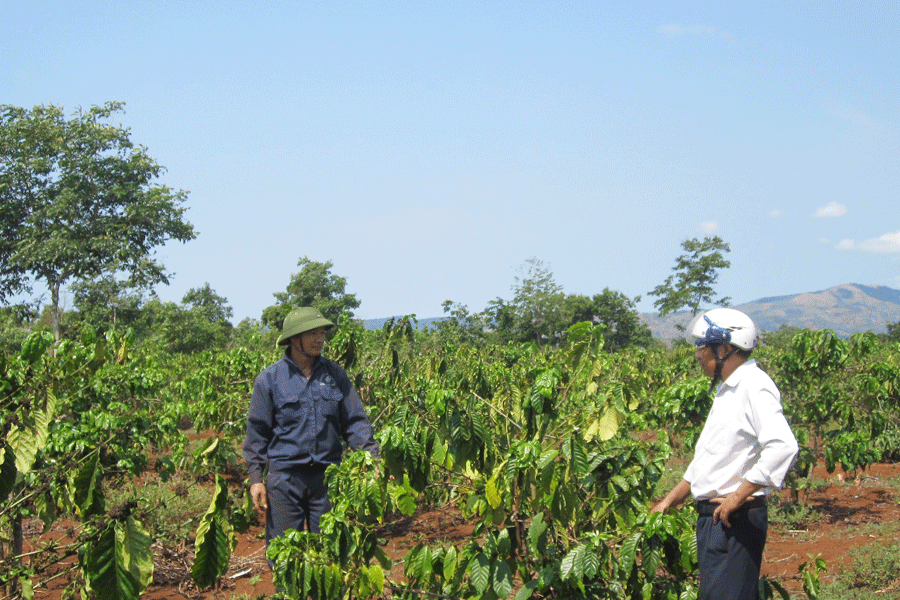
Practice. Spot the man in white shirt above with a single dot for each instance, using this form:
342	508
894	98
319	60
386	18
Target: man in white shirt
744	451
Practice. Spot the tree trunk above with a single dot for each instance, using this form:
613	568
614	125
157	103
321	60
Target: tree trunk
54	309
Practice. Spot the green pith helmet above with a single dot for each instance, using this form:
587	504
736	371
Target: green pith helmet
300	320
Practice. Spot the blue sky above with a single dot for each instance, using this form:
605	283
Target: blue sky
428	149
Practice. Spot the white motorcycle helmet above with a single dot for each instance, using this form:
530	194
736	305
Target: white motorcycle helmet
724	326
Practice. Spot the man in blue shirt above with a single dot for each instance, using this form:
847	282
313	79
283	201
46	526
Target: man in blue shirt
303	409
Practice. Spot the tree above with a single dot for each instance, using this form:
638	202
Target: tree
201	322
16	323
316	286
893	332
79	201
461	326
106	303
534	314
781	338
696	272
617	313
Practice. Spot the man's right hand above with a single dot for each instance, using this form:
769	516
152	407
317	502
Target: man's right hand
258	493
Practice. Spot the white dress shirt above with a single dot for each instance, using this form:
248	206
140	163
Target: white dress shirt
745	437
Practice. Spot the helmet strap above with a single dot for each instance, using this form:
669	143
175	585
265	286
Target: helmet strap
720	362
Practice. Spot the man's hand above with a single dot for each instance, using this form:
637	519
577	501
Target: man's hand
675	497
730	503
258	493
660	507
727	505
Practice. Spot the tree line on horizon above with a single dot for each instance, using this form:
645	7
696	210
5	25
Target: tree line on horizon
83	212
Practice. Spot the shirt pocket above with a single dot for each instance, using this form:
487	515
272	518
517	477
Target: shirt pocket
288	410
331	401
718	437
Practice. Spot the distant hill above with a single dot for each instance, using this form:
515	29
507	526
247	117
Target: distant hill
846	309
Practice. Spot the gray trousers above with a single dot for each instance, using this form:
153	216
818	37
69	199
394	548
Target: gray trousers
730	557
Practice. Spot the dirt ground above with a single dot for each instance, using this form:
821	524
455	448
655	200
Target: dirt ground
844	506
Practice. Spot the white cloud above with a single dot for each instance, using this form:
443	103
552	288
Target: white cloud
889	242
858	118
885	244
674	30
774	214
709	227
832	209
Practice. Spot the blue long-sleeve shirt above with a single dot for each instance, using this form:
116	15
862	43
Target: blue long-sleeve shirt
296	422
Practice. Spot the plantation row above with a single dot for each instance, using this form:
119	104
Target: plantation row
555	453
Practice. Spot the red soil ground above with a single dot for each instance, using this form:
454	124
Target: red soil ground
844	507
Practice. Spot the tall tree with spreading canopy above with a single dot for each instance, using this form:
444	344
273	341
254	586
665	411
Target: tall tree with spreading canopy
696	272
79	201
315	285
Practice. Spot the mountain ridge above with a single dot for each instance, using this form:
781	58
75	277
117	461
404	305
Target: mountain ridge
845	309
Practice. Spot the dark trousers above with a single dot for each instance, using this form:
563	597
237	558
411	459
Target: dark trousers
297	499
730	557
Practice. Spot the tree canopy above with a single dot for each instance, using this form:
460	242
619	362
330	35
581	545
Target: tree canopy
533	314
695	273
316	286
617	313
79	201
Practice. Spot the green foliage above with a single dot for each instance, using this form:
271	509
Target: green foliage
533	314
16	323
79	201
200	322
618	315
696	272
118	565
893	332
106	303
542	448
870	576
214	540
809	574
315	286
462	327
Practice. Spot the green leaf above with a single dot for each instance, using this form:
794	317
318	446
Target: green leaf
628	555
135	554
572	564
104	571
87	492
26	588
480	572
502	583
30	437
609	422
7	471
35	346
370	582
492	493
536	540
214	540
527	590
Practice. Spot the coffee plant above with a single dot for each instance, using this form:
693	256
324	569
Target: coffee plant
552	454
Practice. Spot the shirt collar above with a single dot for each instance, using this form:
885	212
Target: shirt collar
287	358
735	376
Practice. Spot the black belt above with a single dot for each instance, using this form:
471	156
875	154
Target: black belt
706	508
